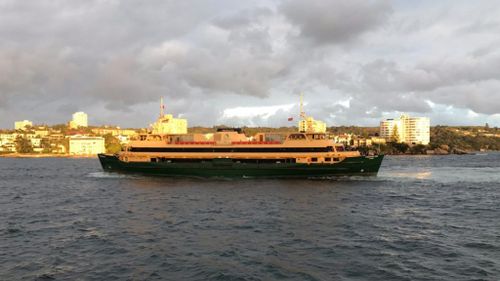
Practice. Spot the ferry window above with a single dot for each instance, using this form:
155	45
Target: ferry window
328	159
314	159
296	137
336	159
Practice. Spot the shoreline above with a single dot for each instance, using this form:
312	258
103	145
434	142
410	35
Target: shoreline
445	154
19	155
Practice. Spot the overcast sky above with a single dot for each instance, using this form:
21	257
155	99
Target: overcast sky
245	62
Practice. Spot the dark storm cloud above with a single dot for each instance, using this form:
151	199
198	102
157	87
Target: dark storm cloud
235	70
94	51
467	82
243	19
335	21
102	24
481	97
87	52
234	56
389	76
38	74
112	58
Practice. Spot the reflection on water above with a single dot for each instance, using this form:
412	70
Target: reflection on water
445	174
442	169
408	175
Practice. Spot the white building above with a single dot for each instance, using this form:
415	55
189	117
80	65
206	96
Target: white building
167	124
123	139
36	142
81	145
7	142
410	130
391	130
21	125
80	119
309	125
344	139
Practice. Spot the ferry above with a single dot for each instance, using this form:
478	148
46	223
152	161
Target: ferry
230	153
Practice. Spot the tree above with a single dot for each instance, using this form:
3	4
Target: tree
395	134
400	147
418	149
23	145
112	144
45	144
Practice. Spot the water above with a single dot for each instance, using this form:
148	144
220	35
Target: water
423	218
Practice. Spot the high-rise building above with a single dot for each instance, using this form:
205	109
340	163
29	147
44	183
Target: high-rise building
410	130
80	119
167	124
21	125
309	125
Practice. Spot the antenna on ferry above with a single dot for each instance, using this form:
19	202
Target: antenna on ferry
162	107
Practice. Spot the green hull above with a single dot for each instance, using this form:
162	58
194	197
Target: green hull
353	166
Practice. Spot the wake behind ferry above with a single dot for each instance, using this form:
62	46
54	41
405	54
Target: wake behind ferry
168	150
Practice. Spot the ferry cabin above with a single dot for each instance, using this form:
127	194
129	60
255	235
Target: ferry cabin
308	148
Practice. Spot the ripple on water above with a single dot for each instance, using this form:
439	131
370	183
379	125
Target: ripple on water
109	175
427	218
